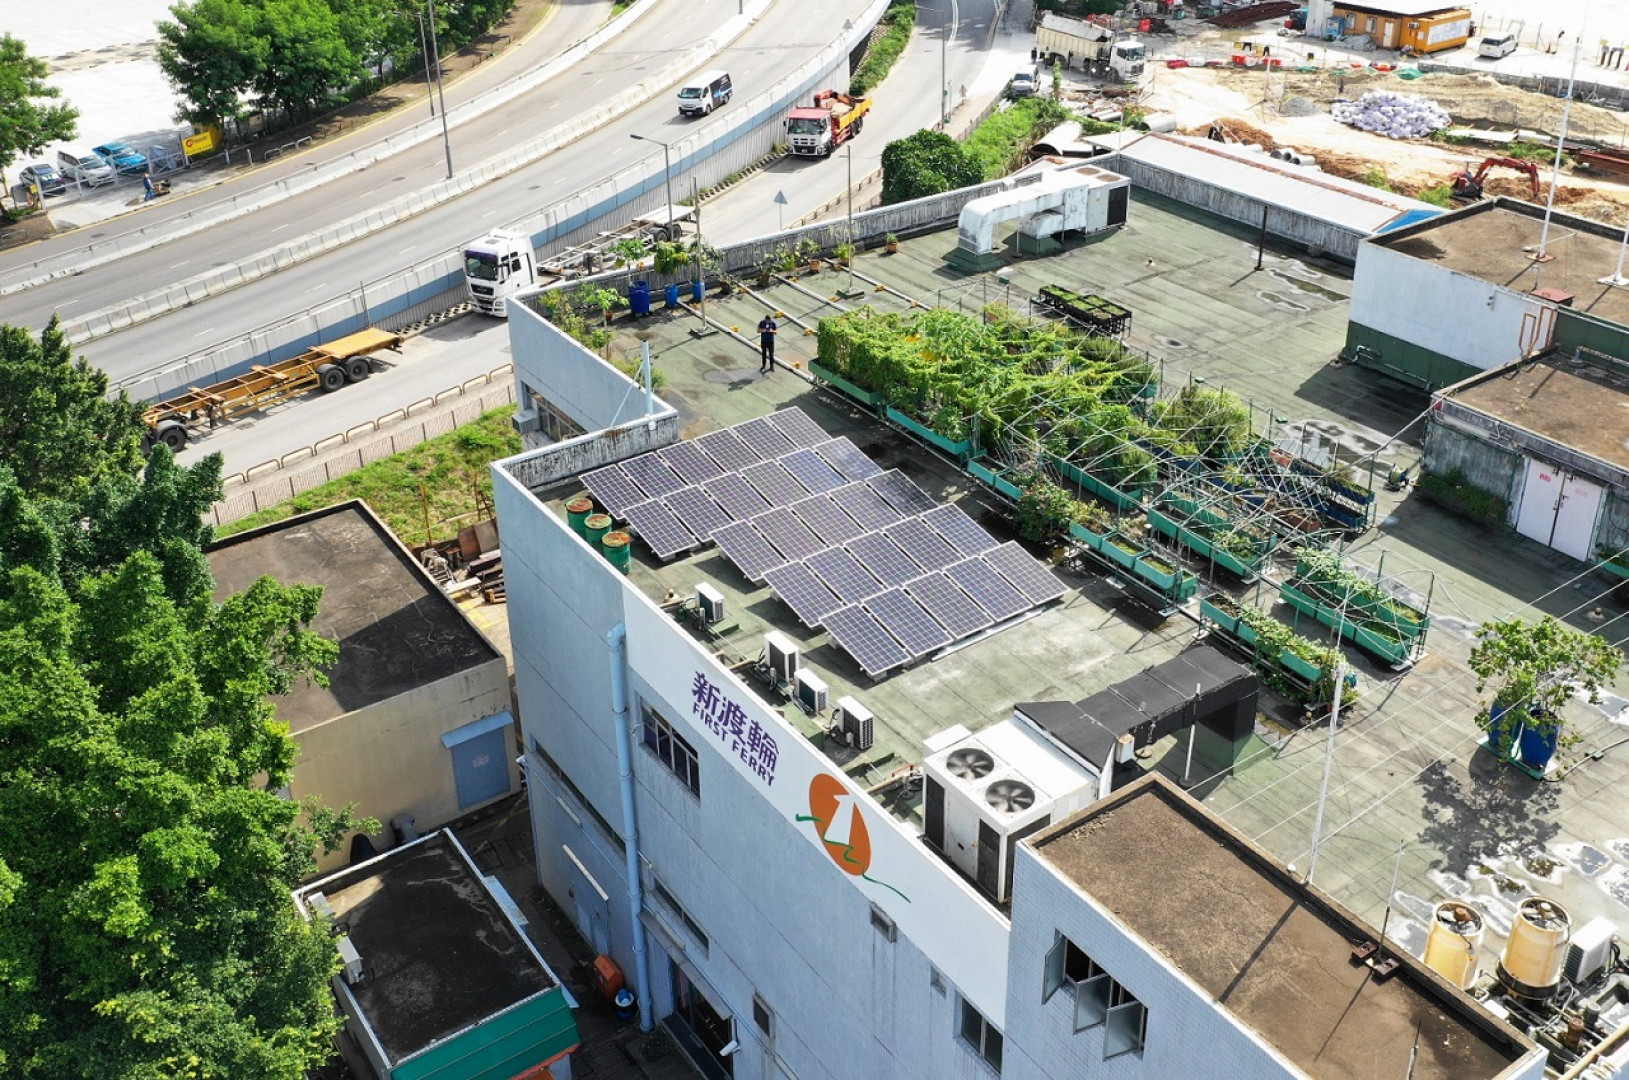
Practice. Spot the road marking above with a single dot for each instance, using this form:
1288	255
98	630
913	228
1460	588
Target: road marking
201	333
314	288
177	266
280	228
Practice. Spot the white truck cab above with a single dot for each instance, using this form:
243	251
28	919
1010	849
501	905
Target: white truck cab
1126	59
496	267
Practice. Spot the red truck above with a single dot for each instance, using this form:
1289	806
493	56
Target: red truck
816	130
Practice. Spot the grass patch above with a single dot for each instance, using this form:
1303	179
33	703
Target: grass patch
1441	195
1002	142
879	59
1539	153
1454	493
450	469
1376	178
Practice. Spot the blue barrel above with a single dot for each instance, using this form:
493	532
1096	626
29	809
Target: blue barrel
672	296
696	288
639	297
625	1003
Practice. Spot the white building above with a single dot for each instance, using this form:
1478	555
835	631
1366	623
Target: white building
767	887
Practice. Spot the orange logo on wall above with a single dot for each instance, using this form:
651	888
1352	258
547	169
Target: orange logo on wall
842	830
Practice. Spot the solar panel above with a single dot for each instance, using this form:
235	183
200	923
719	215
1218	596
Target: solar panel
901	492
884	559
726	448
950	607
796	426
700	514
661	531
988	589
865	506
1028	576
904	618
926	548
811	470
844	575
652	476
763	438
690	462
862	637
847	459
613	489
797	585
735	496
826	519
774	483
964	534
790	536
746	547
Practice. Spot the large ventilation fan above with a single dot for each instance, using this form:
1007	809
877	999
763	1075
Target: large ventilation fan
1010	796
969	763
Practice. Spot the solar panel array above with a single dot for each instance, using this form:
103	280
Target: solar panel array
861	552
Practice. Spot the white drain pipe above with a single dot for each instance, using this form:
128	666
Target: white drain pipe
617	641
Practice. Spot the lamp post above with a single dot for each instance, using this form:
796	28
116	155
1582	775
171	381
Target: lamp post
944	70
667	175
424	47
446	139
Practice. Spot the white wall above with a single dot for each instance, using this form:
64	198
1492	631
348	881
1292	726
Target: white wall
1460	316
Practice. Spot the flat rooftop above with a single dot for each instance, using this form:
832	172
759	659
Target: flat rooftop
396	630
439	953
1579	404
1272	952
1495	240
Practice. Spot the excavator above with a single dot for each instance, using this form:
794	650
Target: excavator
1468	185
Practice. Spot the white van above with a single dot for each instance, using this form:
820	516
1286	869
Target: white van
81	164
705	93
1496	45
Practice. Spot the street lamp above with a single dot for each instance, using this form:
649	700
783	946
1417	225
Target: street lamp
446	139
424	48
667	175
944	72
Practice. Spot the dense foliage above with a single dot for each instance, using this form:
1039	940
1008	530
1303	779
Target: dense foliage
29	116
1002	142
1542	665
926	163
895	26
230	58
146	858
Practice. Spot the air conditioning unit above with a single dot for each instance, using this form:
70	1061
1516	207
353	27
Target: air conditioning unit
810	692
1589	950
529	422
781	654
320	906
352	960
855	723
991	790
710	602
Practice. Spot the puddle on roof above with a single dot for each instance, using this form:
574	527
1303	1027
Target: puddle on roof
1308	287
1281	301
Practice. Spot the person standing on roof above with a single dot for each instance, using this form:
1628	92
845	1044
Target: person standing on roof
766	343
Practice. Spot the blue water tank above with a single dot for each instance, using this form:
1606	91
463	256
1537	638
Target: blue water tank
672	296
639	297
696	288
625	1004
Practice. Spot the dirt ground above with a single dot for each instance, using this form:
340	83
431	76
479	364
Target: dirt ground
1251	107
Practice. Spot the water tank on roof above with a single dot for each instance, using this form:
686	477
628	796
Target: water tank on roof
1531	965
1454	943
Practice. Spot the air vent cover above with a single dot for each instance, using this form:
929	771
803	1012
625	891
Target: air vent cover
969	763
1010	796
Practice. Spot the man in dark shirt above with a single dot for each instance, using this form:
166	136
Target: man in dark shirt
766	343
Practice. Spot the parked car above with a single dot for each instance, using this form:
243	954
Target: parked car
85	166
1496	46
121	157
1023	85
42	176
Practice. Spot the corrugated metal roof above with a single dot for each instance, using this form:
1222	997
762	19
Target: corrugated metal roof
1304	190
1397	7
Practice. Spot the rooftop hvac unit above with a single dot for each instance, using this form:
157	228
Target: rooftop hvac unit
855	723
781	654
710	602
989	791
320	905
1589	950
352	960
811	692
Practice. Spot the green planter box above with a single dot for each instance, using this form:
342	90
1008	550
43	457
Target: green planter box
865	397
1163	580
1390	612
1086	536
1370	640
1226	620
1119	555
961	450
990	475
1387	648
1194	514
1200	545
1302	669
1612	566
1120	500
1186	585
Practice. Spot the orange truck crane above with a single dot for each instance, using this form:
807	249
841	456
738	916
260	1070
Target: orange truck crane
1468	185
328	366
816	130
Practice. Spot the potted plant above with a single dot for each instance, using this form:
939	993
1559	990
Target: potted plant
786	259
765	270
891	244
1537	668
670	256
1044	510
808	253
629	251
843	252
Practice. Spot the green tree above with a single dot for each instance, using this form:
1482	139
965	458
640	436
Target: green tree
1537	667
926	163
308	63
212	54
28	117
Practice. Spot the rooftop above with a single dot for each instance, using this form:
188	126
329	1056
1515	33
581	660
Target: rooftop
1575	403
1273	952
1495	239
439	953
396	630
1397	7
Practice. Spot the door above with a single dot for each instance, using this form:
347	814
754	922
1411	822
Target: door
480	768
1559	509
1541	495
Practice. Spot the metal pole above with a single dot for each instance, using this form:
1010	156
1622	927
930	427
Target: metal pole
695	201
1560	141
446	139
644	374
1617	275
1396	868
1329	747
424	49
667	183
850	156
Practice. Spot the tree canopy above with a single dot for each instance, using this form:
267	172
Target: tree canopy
29	116
926	163
146	857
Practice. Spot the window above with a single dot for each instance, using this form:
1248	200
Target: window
763	1017
672	750
978	1033
576	793
936	980
1127	1025
1099	1000
677	908
883	924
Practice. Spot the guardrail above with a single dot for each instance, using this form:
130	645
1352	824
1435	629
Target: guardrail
63	264
731	143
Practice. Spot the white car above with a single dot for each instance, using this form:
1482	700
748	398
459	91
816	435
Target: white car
1496	46
1023	85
